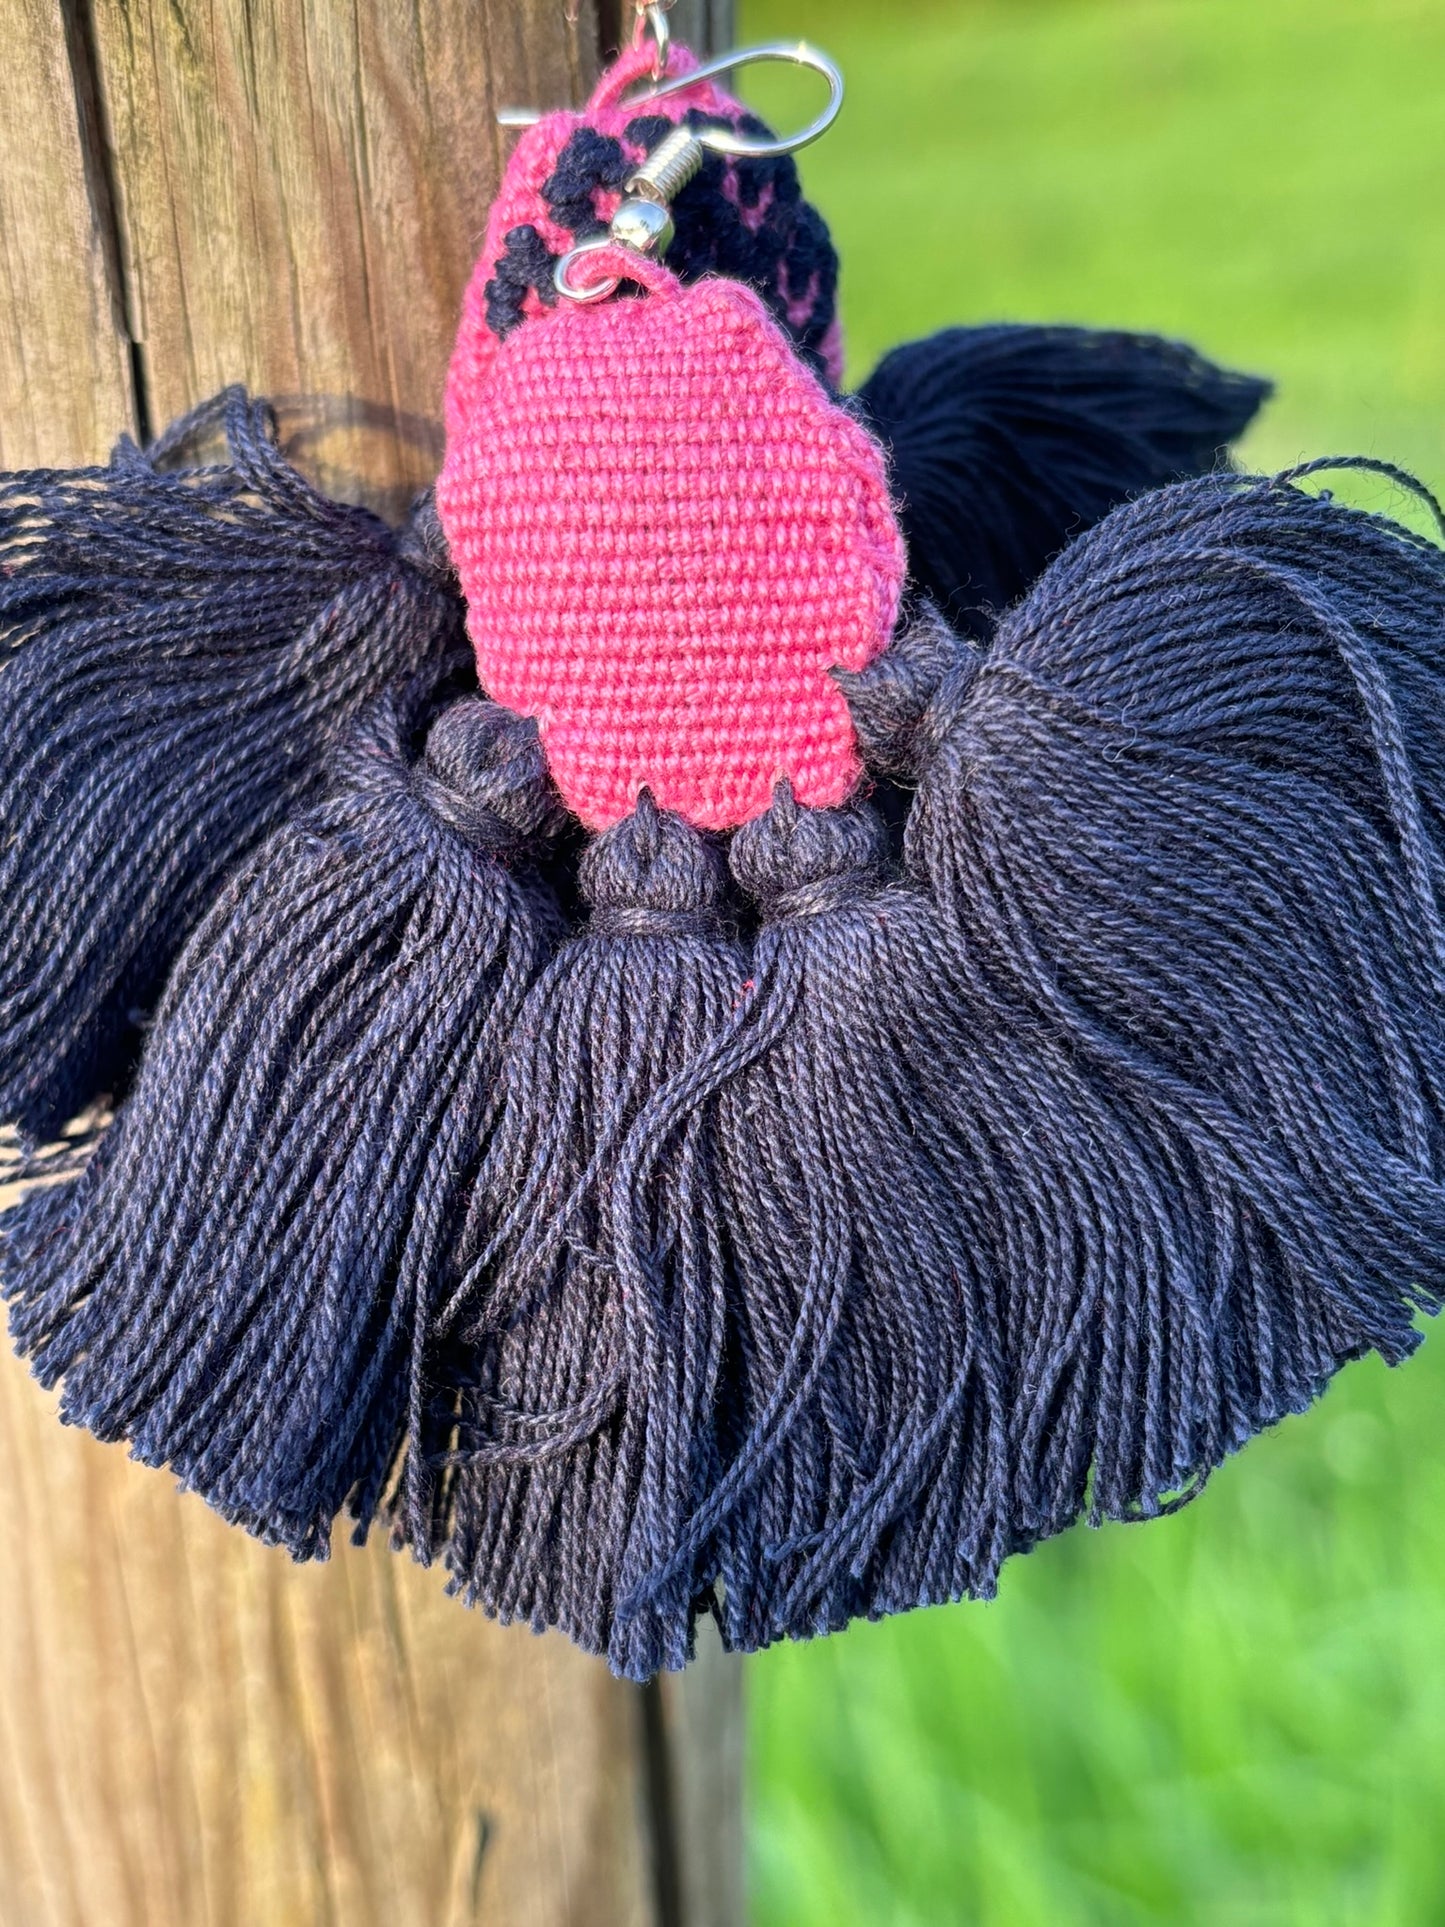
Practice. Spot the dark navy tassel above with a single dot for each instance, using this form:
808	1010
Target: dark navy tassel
865	1407
1007	441
595	1301
240	1282
177	648
1185	818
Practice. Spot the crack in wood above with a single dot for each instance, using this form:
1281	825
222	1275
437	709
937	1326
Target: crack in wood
97	154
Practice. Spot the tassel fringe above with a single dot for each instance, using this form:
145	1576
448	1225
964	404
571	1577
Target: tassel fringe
178	647
832	1215
1008	441
240	1280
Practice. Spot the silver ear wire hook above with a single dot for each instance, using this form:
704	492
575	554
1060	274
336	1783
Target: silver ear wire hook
644	222
722	140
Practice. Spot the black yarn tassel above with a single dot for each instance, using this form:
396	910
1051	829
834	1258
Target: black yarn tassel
177	648
1008	441
240	1283
865	1420
1185	817
594	1305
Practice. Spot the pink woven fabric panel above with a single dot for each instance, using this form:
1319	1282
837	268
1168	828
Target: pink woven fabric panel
667	534
520	199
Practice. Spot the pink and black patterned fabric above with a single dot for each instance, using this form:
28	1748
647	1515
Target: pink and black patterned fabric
742	218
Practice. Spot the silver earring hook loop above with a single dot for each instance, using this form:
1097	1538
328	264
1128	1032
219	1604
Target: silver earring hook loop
724	140
584	292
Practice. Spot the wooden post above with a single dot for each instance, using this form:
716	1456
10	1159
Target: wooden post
192	1730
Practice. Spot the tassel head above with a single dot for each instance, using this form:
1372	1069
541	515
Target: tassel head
668	534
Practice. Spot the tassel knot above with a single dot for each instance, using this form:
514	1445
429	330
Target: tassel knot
422	546
800	862
650	870
484	773
905	702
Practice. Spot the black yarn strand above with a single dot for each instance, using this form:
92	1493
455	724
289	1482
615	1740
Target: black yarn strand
1008	441
178	648
241	1281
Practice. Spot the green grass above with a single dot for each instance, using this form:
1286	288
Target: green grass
1236	1715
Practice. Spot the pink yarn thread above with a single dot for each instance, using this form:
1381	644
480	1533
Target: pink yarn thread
667	534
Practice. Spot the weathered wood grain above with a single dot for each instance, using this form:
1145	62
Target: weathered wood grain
301	185
703	1726
705	25
192	1730
195	1731
65	390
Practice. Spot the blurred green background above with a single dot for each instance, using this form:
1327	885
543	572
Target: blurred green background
1236	1715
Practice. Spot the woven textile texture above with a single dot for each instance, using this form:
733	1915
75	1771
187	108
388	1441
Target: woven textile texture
667	535
743	218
